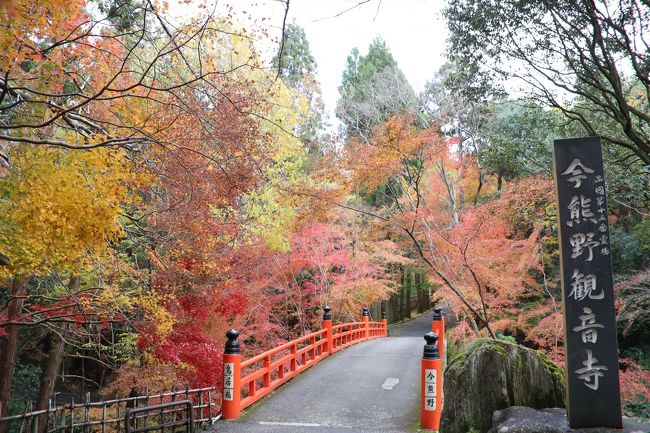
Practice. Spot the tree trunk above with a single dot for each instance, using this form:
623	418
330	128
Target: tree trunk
480	186
402	297
408	289
49	376
474	326
394	308
52	366
426	290
8	354
420	293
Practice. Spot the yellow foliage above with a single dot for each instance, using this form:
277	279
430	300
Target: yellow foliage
59	210
272	206
270	209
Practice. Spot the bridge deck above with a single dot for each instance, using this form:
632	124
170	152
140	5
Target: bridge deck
348	391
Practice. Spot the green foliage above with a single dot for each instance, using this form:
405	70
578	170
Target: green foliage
638	406
642	232
372	89
627	255
545	50
297	68
125	15
454	348
506	338
297	62
628	181
385	195
639	354
24	387
519	139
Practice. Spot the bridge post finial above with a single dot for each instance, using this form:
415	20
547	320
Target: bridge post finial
384	322
365	318
431	348
327	313
232	345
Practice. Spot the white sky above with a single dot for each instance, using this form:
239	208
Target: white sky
413	30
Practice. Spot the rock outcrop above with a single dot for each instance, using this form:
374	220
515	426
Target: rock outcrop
490	375
528	420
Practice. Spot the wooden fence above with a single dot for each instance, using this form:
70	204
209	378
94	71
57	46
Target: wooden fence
109	416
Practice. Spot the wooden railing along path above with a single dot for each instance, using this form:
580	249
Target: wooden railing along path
245	382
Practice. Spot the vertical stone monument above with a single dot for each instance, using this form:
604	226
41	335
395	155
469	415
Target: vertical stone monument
587	285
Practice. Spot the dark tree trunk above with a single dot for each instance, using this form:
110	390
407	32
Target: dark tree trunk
394	308
420	293
480	186
8	354
52	366
48	379
402	296
408	277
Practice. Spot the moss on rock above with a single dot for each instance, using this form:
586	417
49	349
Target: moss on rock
492	374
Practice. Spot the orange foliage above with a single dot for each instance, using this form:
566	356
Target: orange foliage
485	258
390	149
634	379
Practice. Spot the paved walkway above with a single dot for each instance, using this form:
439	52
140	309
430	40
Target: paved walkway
371	387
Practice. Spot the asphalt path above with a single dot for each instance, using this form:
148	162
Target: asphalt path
370	387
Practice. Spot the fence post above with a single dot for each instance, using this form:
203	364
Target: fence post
431	398
231	376
438	328
365	319
384	323
327	324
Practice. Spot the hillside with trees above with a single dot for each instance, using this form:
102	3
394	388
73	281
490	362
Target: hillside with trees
163	183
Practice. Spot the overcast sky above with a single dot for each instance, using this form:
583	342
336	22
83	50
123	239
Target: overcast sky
413	29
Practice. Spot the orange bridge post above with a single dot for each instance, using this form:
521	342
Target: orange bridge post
438	328
431	399
365	318
231	377
384	323
327	324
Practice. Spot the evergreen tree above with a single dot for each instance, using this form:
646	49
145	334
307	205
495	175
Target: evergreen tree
297	68
372	89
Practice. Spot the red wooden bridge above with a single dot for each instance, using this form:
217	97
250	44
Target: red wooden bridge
374	386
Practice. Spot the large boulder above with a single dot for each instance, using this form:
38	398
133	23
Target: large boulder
490	375
528	420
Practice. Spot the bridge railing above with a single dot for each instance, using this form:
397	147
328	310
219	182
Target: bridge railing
270	369
245	382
